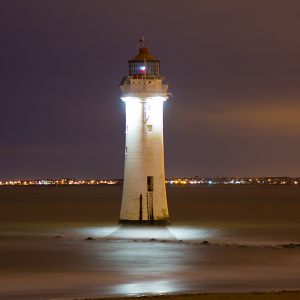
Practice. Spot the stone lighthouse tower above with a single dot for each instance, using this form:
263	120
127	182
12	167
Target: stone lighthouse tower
144	199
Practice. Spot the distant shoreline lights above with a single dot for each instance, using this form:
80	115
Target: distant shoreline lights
172	181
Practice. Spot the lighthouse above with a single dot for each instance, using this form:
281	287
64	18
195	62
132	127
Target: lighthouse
144	199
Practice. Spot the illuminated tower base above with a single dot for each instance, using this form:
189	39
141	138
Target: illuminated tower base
144	199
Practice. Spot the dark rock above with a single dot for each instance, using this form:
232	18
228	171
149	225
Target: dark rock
205	243
58	237
291	245
152	240
89	239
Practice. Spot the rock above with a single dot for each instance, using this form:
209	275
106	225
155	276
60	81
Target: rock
291	245
152	240
89	239
58	237
205	243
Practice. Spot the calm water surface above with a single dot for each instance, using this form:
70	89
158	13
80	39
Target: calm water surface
44	253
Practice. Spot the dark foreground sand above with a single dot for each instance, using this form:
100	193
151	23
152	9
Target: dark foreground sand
218	296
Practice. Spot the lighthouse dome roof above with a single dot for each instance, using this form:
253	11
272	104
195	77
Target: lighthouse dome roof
144	55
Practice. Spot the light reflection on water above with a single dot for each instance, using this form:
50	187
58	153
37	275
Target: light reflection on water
46	250
147	287
169	233
192	233
98	232
147	259
143	260
123	260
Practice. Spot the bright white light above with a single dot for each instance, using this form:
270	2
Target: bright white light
147	287
98	232
135	107
156	111
143	233
142	68
133	110
130	99
156	98
186	233
169	233
148	99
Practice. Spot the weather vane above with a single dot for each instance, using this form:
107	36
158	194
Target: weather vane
143	43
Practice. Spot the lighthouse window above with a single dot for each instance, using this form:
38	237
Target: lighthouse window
149	128
150	182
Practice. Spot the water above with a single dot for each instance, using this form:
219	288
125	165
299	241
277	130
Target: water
44	253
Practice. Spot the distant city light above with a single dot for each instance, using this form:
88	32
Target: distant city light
64	181
173	181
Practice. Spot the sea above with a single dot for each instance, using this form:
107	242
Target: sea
64	242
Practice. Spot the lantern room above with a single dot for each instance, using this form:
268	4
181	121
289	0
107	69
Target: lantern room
144	65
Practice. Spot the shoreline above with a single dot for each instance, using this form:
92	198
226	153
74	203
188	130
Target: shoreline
273	295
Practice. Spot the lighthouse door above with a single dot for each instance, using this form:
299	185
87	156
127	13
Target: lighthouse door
150	183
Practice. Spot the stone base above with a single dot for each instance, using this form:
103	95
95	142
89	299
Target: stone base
145	222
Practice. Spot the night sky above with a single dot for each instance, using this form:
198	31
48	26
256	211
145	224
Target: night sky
232	66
